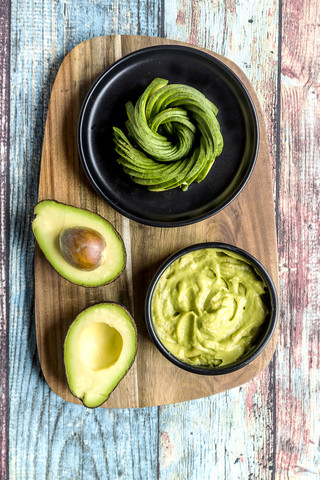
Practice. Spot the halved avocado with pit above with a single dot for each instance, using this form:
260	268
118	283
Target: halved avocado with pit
99	349
83	247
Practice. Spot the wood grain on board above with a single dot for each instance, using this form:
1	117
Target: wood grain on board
248	223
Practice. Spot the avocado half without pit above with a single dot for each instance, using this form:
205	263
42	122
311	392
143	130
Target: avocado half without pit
83	247
99	349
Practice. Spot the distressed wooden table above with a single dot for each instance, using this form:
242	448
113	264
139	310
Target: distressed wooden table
266	429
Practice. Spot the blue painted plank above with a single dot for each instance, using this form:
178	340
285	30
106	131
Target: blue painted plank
49	438
4	232
230	435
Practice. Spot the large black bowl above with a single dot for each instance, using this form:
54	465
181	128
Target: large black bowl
268	326
104	107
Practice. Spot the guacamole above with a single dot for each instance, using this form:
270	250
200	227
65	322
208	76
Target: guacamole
208	307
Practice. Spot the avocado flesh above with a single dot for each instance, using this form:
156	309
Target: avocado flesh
53	217
99	350
159	162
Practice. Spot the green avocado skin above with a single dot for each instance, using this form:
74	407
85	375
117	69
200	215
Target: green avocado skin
52	217
173	137
92	387
208	307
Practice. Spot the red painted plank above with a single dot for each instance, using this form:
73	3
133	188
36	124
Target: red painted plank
4	131
297	388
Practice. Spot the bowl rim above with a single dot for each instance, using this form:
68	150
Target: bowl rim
249	357
114	204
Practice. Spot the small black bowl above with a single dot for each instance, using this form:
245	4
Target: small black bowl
104	107
269	324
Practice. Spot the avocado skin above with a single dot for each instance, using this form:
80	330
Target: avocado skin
159	162
129	366
83	284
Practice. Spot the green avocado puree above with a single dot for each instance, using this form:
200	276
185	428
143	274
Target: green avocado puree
207	307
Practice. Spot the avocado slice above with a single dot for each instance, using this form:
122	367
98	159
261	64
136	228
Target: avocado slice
159	162
83	247
99	349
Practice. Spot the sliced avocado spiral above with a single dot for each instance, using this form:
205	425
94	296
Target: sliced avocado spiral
173	137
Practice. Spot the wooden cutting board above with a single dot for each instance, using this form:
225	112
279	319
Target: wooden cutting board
249	223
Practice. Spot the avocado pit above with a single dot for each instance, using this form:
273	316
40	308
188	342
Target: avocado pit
82	247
